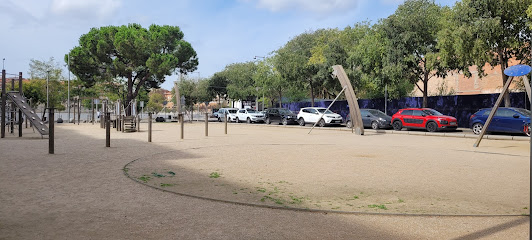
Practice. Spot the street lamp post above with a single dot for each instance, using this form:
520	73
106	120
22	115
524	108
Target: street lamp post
263	101
3	60
47	95
68	86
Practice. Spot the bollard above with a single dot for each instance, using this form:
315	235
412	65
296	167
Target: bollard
149	127
182	122
206	124
225	119
107	129
122	123
138	124
51	130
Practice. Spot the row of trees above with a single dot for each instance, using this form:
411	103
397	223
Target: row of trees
403	51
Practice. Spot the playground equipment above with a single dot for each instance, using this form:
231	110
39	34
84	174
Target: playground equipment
13	102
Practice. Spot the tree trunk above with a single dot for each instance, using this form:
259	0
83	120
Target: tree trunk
280	98
425	95
504	65
129	97
311	95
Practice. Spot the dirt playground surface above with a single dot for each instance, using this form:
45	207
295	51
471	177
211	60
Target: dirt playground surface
392	186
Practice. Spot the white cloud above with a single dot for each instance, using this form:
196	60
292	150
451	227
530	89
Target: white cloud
85	8
314	6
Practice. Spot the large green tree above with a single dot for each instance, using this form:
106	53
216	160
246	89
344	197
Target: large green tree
240	84
217	86
293	63
40	73
143	57
480	32
412	52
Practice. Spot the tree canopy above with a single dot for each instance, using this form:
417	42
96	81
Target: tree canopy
143	57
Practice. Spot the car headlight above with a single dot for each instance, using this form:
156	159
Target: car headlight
444	121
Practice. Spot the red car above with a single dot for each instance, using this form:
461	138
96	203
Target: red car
426	118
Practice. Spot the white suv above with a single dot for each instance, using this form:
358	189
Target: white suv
312	115
230	113
249	115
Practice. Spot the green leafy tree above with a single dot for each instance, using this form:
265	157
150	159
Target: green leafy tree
218	86
412	34
241	84
142	57
480	32
293	64
269	81
40	72
155	103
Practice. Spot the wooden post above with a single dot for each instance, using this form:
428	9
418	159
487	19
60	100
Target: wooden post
149	127
51	130
206	124
107	129
138	123
225	119
182	122
74	117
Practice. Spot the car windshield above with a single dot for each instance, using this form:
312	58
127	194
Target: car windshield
322	110
251	111
231	111
523	111
377	113
432	112
284	111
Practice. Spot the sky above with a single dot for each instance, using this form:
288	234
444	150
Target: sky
221	31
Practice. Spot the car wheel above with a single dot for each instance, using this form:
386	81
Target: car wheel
268	121
285	121
432	127
301	122
477	128
219	119
249	120
321	123
397	125
374	125
237	120
527	132
349	124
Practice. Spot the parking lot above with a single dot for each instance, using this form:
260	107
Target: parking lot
242	185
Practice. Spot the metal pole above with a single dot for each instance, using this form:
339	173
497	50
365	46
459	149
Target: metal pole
4	97
68	89
149	126
12	122
92	105
107	129
386	99
74	119
206	124
20	110
47	98
182	122
79	110
51	130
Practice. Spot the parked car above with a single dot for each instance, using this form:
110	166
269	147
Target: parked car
508	120
313	114
229	113
280	115
372	118
426	118
249	115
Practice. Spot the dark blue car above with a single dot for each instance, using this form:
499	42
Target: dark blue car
508	120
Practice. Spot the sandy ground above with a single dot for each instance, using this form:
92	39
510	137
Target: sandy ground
392	186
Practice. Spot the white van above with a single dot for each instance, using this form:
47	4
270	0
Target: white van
230	113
